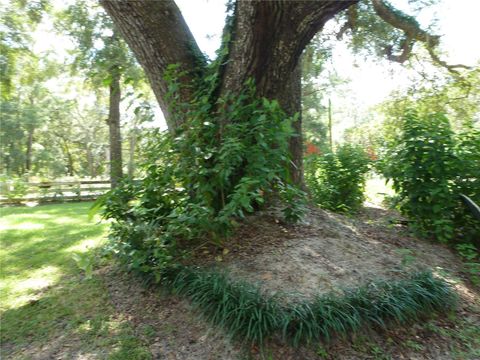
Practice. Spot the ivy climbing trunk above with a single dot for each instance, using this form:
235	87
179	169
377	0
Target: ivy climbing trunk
266	40
116	172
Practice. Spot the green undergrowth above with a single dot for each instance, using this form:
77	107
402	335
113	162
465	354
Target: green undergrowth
430	167
336	180
245	313
239	148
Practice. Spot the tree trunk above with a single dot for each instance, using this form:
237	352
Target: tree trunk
158	35
68	154
131	152
70	167
266	41
28	154
289	97
90	161
116	172
8	160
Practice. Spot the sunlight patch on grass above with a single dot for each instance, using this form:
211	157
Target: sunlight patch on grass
83	246
12	216
37	246
79	315
22	292
39	279
61	220
22	226
45	297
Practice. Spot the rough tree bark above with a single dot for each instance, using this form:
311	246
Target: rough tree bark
159	36
267	40
116	172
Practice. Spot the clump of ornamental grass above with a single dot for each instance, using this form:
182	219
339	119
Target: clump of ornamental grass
377	304
245	313
238	307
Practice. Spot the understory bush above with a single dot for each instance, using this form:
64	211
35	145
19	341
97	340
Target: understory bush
471	261
336	180
430	167
467	181
227	160
242	310
13	187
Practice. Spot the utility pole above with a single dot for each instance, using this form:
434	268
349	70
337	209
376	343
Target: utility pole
330	123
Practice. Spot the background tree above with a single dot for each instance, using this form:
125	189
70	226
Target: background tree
104	59
19	19
53	121
320	81
19	67
24	112
313	61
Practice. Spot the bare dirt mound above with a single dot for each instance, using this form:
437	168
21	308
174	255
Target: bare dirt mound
324	253
328	252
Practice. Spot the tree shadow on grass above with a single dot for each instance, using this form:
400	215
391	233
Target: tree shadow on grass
40	250
73	319
38	243
52	310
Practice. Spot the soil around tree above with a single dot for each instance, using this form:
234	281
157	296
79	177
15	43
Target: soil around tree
326	252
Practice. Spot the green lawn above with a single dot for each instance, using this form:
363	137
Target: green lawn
45	296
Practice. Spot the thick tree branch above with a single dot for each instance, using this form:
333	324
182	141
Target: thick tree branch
413	32
351	22
452	68
269	37
158	35
404	22
267	40
407	46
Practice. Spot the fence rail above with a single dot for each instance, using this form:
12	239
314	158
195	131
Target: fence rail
52	191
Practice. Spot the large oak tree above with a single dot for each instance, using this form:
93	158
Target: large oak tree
265	42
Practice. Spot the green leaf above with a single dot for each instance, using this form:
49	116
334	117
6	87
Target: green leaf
107	81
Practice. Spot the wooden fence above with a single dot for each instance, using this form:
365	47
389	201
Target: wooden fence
52	191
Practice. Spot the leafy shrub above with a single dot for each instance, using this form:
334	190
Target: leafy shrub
337	180
85	263
430	168
466	181
13	187
471	261
225	162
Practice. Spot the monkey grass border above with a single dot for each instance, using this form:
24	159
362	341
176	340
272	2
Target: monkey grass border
245	313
